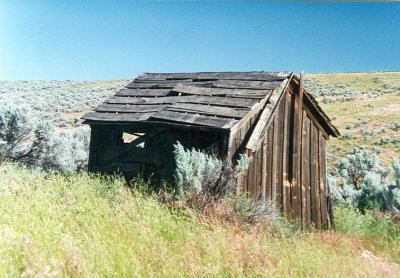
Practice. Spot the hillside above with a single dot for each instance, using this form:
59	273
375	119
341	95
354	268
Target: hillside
365	107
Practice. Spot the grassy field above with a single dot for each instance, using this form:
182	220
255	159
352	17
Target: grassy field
81	226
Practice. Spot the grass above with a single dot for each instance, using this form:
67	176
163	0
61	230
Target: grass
79	225
378	230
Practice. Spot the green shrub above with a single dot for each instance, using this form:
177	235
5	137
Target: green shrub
385	140
198	172
358	164
361	180
348	135
55	151
16	125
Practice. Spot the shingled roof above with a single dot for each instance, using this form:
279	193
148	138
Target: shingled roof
209	99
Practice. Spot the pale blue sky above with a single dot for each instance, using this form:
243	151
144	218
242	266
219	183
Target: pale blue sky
120	39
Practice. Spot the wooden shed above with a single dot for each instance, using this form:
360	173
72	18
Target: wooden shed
268	115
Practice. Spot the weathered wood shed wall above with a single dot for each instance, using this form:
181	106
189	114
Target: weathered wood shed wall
267	115
288	151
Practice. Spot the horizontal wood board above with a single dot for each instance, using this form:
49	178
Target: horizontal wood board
216	101
195	119
225	112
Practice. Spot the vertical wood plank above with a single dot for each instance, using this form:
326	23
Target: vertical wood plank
274	159
296	182
312	176
317	179
270	154
323	181
264	169
252	185
93	149
279	158
251	189
315	194
285	154
305	185
259	172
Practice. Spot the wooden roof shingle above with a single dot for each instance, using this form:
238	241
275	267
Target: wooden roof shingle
209	99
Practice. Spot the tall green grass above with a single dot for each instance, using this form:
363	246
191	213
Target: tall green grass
380	233
79	225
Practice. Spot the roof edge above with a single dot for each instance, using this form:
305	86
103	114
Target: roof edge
331	129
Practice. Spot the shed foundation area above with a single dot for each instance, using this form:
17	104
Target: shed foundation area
267	115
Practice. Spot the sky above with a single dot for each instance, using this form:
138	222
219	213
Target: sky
97	40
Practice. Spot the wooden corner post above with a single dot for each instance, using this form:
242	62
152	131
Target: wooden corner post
299	145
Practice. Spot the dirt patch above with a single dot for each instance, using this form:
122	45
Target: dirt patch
379	265
74	114
390	108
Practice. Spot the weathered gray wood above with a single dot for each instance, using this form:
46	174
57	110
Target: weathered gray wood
306	206
313	174
130	108
316	180
269	154
316	110
117	117
311	115
255	97
164	84
251	188
320	115
220	101
285	158
264	170
274	161
300	114
216	101
280	119
259	76
256	137
241	84
244	121
208	110
143	100
295	157
223	101
196	90
258	194
194	119
143	92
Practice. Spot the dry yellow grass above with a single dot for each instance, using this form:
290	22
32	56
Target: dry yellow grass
80	226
